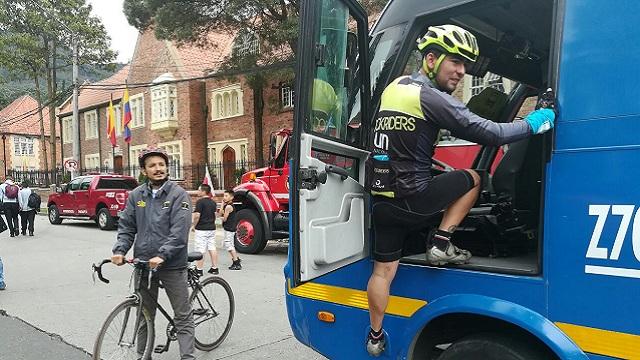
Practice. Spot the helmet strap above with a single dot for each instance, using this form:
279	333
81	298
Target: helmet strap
432	73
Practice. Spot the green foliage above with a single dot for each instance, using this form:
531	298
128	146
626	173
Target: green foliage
141	178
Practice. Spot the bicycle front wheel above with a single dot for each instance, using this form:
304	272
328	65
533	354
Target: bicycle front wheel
127	333
213	309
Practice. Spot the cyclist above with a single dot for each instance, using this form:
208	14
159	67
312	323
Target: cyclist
156	223
413	109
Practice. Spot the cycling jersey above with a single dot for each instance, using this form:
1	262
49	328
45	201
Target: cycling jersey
412	112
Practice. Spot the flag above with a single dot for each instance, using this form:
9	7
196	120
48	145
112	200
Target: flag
207	179
111	124
126	130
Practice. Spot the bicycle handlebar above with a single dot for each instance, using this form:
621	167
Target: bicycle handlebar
97	269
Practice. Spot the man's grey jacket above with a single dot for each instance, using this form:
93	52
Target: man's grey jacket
156	226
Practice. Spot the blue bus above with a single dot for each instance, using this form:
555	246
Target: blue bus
556	266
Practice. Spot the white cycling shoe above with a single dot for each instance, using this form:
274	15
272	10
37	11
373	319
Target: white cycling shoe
452	255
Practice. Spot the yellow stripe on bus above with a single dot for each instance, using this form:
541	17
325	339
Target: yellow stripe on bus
398	305
603	342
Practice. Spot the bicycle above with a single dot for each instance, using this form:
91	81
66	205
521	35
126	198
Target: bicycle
121	330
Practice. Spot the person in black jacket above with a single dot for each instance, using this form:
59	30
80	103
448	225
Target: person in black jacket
156	223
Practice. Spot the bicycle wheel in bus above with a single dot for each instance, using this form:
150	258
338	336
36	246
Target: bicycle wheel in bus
118	337
213	309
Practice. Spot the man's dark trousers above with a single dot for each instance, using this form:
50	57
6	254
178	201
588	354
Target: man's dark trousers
11	211
26	219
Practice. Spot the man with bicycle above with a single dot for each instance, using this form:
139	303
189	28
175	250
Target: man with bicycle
156	223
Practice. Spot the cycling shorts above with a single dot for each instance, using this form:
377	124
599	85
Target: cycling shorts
395	219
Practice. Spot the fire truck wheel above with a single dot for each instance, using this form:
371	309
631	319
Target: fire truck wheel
249	235
54	215
105	220
495	346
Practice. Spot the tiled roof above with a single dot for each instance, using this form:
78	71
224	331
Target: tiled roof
193	61
89	97
22	117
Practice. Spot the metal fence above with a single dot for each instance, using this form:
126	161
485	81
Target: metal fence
224	175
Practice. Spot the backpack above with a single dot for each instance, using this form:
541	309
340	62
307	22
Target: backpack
11	191
34	200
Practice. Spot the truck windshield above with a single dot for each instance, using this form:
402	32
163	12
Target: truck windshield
115	183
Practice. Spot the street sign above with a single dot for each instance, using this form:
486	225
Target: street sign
71	165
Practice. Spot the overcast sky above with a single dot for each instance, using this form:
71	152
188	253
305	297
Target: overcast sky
123	36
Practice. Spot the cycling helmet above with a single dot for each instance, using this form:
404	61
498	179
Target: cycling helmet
144	154
451	40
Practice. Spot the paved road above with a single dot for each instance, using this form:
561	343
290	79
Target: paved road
49	286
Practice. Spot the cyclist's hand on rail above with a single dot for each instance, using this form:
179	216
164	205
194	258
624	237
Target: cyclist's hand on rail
154	262
117	259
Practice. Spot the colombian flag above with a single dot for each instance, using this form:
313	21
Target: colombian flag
126	130
111	124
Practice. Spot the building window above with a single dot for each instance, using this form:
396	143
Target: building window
118	112
134	153
92	162
67	130
136	104
247	43
213	159
23	146
489	80
164	103
227	102
91	125
174	151
243	153
286	97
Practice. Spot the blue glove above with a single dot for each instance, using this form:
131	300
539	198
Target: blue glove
541	120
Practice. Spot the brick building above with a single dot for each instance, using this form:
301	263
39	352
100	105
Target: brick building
22	148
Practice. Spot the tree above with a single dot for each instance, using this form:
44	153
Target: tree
273	22
36	32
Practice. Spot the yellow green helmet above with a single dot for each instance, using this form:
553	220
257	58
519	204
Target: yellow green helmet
451	39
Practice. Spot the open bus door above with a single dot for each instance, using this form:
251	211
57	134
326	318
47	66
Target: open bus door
328	159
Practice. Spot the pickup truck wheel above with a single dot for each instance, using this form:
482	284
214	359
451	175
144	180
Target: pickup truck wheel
105	220
54	215
249	235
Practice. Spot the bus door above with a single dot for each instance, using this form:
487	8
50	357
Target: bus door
593	257
328	153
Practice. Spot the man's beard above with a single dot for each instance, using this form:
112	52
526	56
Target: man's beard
158	183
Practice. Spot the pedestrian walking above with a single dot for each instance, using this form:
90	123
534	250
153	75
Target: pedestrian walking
3	285
9	191
204	225
29	202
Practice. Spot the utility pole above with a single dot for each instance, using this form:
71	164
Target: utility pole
75	120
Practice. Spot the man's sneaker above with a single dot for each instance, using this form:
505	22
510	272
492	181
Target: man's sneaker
214	271
236	265
30	234
375	347
199	272
453	255
3	286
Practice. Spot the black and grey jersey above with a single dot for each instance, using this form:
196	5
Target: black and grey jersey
412	112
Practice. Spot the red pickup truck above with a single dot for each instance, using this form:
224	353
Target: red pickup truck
92	197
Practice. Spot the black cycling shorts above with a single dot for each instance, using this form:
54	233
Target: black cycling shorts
395	219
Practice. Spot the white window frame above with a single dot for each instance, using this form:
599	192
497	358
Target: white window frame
136	104
117	109
177	173
474	85
92	161
134	152
23	146
222	106
67	130
247	43
91	125
287	96
163	98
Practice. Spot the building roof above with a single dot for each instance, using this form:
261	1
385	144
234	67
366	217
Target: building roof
193	61
92	95
22	117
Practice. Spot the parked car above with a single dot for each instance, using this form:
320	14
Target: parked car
92	197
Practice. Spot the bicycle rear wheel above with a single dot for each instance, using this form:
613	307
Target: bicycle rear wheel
118	338
213	309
